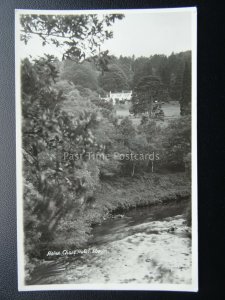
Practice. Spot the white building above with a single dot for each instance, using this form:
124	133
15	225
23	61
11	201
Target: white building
118	97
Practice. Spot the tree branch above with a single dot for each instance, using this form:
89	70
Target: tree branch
49	35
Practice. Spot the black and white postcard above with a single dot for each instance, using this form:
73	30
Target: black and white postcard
106	149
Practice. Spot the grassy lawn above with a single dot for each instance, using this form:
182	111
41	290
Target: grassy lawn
171	111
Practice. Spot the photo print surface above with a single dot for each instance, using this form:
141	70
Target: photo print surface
106	149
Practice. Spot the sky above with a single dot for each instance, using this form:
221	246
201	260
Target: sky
149	34
139	34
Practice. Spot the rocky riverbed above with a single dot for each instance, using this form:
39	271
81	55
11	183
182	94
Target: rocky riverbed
150	245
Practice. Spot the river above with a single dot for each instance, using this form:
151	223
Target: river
143	245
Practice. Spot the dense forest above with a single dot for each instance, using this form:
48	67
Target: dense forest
123	73
65	120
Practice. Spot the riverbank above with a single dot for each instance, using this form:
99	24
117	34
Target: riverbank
117	195
140	248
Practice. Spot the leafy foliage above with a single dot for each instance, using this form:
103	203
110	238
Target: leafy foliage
169	69
177	143
148	90
54	186
114	79
80	36
80	74
185	102
56	189
142	67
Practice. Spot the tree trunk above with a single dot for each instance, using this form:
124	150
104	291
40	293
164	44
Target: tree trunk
132	174
150	106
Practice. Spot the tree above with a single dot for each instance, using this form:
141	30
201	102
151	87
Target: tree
54	188
164	71
127	130
176	81
176	142
80	36
142	67
125	140
114	79
133	147
185	101
176	64
58	119
152	134
54	123
126	64
146	92
80	74
106	108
